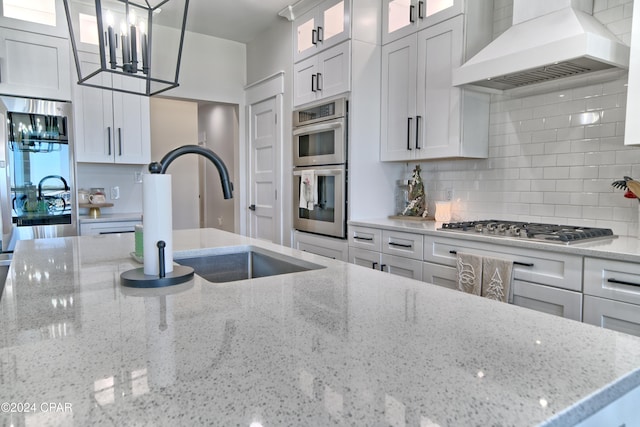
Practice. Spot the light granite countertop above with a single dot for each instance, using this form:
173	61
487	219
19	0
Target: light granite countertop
111	217
620	248
341	345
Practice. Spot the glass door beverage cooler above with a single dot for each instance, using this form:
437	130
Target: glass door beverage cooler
37	169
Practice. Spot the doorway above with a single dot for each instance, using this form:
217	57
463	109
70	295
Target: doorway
196	191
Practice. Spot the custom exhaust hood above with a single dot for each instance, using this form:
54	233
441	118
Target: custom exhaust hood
549	39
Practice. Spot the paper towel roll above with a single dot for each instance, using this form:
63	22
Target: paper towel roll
157	221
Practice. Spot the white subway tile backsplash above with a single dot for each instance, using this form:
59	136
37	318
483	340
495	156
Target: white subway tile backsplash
553	155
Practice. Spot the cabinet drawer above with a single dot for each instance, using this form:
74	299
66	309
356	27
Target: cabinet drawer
616	280
320	245
549	300
441	275
548	268
616	315
110	227
406	245
365	238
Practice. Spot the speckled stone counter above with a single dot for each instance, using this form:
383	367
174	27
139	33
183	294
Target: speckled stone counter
341	345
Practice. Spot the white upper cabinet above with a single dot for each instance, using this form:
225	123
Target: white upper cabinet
403	17
632	124
34	65
323	75
36	16
423	116
111	126
326	25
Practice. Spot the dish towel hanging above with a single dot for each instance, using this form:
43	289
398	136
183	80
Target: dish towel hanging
308	189
469	269
496	278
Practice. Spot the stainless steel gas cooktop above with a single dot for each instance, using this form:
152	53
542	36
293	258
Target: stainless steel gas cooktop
551	233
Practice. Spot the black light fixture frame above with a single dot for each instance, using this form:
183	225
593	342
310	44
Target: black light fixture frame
106	66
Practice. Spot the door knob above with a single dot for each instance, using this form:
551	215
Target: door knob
252	207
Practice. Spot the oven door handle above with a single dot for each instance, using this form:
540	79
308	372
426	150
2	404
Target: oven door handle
321	172
318	128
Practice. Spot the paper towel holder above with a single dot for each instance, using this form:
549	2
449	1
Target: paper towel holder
137	279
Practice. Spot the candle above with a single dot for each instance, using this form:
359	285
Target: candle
145	47
134	42
134	49
111	40
126	59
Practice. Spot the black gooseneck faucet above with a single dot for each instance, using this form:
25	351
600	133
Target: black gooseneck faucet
161	167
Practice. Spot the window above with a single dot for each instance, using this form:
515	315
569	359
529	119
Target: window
38	11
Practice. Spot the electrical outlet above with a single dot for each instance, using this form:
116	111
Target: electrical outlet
220	220
137	176
448	194
115	193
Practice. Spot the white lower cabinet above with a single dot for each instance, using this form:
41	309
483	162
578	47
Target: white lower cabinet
612	294
321	245
400	266
547	299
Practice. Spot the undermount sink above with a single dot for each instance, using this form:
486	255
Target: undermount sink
243	262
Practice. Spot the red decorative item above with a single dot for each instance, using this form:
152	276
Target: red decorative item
629	195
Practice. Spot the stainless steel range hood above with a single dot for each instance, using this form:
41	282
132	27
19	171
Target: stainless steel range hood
549	39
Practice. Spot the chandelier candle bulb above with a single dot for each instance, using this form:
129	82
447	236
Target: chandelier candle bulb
111	40
126	58
145	47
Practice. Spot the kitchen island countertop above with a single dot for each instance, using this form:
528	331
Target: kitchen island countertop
341	345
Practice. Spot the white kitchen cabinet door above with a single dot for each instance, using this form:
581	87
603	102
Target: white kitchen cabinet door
440	106
34	65
549	300
616	315
322	27
323	76
398	112
364	258
111	126
403	17
440	275
401	266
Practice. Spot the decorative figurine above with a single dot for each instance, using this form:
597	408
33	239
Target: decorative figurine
417	199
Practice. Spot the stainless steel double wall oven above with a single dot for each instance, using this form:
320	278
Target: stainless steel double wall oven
320	168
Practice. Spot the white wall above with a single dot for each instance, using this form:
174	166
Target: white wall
552	156
175	123
217	130
91	175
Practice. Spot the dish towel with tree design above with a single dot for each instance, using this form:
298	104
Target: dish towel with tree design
496	278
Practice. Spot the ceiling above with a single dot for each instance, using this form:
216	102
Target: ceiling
237	20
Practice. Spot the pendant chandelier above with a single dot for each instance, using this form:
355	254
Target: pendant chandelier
131	46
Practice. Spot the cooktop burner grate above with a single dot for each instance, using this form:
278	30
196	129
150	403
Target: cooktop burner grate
553	233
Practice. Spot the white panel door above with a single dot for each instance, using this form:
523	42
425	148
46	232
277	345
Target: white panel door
439	51
263	223
398	99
